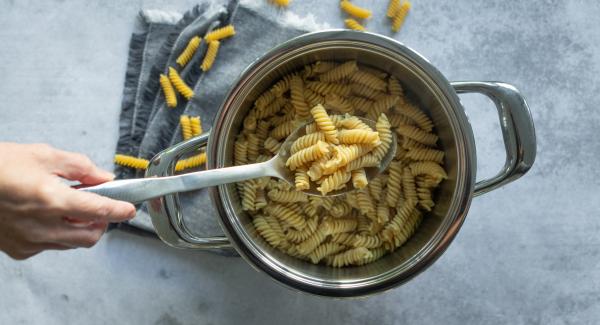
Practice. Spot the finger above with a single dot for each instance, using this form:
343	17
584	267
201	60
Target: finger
80	237
78	167
89	206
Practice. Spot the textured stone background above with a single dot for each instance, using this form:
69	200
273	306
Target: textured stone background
527	254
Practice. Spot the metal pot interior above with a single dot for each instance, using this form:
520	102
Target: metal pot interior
427	88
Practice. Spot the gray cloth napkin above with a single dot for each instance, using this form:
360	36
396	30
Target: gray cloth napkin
147	126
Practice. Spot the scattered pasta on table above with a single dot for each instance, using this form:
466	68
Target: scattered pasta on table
189	51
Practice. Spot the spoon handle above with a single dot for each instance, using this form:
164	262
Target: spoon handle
142	189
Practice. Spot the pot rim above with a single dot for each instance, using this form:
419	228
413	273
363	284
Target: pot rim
463	193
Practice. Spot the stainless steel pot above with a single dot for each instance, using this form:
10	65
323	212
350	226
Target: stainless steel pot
425	85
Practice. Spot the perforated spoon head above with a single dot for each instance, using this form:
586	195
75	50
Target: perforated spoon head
278	162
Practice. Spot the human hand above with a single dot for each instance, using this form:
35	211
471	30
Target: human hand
38	211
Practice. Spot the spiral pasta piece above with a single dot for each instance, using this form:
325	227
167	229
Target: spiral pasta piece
382	105
426	154
186	127
383	212
317	68
191	162
418	116
337	226
393	8
283	85
425	199
264	229
287	215
272	145
394	183
359	178
353	24
298	236
395	225
353	122
180	85
334	182
400	16
196	125
271	109
301	179
312	98
352	256
129	161
399	120
344	154
189	51
339	72
324	123
220	33
376	188
240	152
265	99
408	186
325	88
355	10
362	162
360	104
384	130
369	80
340	209
248	195
376	253
309	154
407	230
358	136
428	168
253	146
364	91
338	103
306	141
427	181
417	134
287	196
366	241
366	204
297	97
394	86
311	243
168	91
325	250
210	56
283	130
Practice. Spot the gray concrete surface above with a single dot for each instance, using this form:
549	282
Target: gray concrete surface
527	254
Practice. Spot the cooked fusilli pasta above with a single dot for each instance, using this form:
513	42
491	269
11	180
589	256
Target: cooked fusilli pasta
361	226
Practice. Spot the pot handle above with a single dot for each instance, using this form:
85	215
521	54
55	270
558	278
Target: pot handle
165	211
517	130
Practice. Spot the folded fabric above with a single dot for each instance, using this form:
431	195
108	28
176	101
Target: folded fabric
149	126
